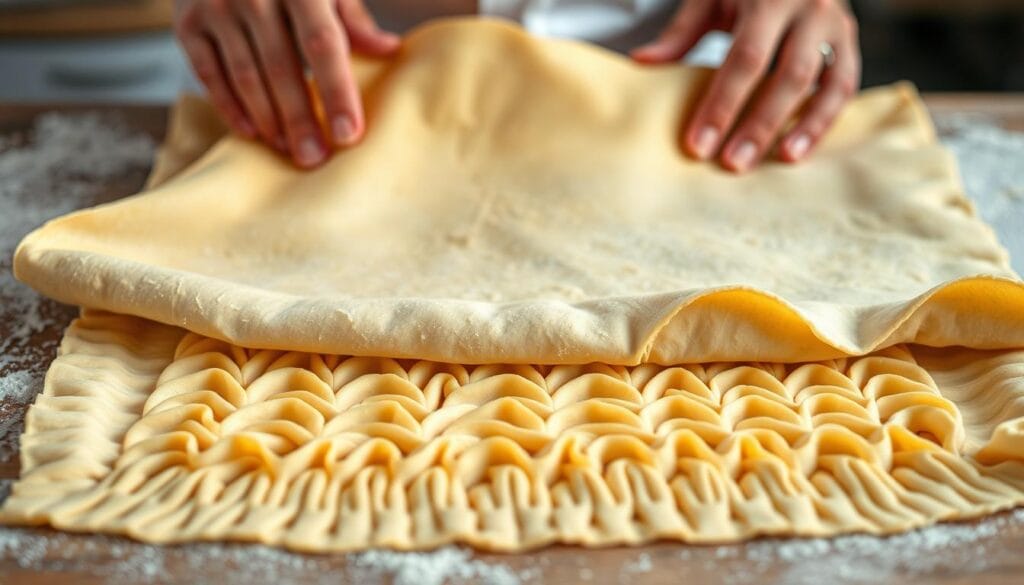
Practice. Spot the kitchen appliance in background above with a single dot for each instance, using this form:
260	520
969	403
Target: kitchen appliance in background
119	51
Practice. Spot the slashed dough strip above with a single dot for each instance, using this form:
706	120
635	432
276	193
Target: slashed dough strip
168	436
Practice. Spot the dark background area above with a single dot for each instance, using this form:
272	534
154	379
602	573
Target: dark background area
943	45
122	51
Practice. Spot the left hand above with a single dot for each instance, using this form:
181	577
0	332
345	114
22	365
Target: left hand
739	118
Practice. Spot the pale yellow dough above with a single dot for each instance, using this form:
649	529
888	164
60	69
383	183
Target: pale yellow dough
526	200
168	436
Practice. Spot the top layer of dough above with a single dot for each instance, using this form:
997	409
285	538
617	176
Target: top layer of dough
525	200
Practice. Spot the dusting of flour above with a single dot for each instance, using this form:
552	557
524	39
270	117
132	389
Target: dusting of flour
57	167
990	165
961	548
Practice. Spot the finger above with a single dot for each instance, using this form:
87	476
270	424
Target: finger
246	80
756	37
275	48
799	65
363	32
691	22
838	84
325	45
207	67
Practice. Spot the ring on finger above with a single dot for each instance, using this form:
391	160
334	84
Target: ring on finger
828	54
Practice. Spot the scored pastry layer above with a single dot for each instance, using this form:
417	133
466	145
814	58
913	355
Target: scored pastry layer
148	430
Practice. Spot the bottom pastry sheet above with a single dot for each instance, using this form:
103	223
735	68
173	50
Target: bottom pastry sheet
148	430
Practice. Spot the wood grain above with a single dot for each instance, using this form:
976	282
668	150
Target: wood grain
988	559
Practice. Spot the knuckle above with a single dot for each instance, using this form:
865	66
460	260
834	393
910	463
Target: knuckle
678	26
277	68
764	6
217	7
720	116
817	122
846	85
849	24
799	73
815	126
322	41
297	120
759	131
821	6
244	72
225	105
749	58
267	124
206	72
188	21
253	7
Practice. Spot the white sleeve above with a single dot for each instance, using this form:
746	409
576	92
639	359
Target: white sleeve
617	24
614	23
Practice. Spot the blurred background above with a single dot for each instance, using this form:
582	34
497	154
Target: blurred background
122	50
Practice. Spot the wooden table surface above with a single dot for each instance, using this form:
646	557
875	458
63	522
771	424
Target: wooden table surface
980	553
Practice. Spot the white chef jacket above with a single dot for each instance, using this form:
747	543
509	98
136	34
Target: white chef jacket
619	25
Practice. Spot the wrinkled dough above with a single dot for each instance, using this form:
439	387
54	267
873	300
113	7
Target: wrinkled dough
526	200
168	436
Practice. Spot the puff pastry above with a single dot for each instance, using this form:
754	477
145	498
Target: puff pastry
526	200
148	430
516	315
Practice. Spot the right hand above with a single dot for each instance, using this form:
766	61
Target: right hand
249	55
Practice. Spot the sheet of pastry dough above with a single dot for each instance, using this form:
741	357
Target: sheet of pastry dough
525	200
148	430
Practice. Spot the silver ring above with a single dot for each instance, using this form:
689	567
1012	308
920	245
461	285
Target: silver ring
828	54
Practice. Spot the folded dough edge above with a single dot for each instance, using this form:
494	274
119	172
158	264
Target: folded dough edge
730	322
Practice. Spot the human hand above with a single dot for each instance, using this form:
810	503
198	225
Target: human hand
247	54
738	117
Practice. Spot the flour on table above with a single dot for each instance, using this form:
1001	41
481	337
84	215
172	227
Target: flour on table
988	159
57	167
431	568
858	559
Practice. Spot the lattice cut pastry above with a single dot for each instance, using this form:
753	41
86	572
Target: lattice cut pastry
147	430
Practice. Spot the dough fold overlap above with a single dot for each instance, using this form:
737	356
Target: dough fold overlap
526	200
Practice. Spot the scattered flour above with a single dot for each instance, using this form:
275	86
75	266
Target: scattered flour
990	158
641	564
431	568
855	560
58	166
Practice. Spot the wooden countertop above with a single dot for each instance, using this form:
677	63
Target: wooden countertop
992	554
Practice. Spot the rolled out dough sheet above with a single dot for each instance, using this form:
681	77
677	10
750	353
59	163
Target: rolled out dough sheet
525	200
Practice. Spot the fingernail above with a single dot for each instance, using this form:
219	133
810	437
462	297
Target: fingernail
344	130
310	152
707	141
743	156
799	145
